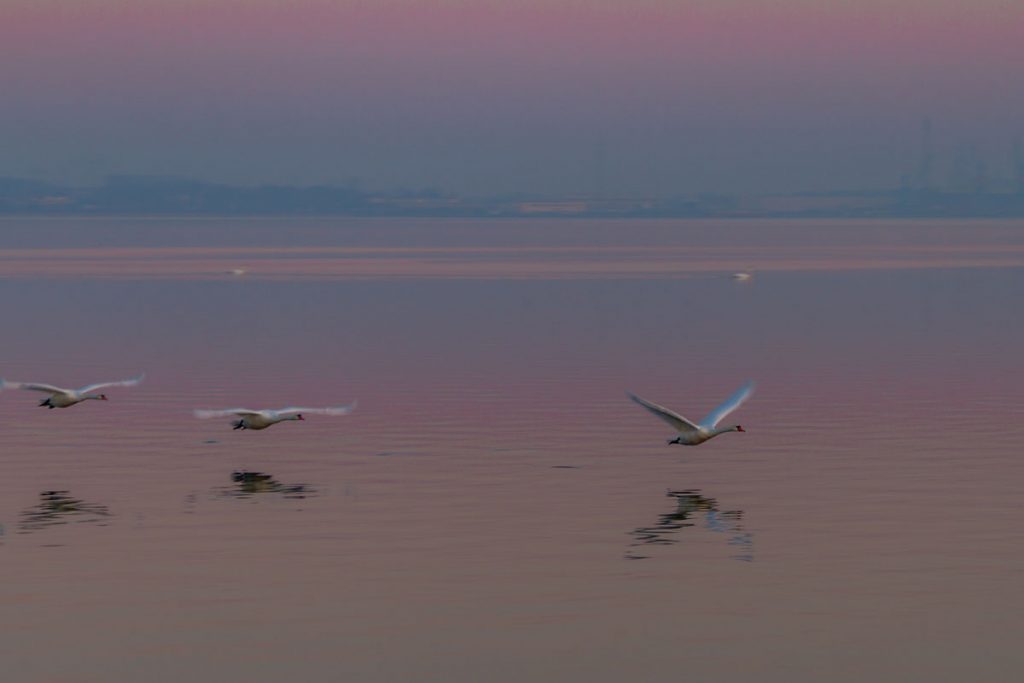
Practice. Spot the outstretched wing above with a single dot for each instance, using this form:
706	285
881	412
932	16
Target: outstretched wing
206	414
123	383
33	386
333	410
730	404
680	423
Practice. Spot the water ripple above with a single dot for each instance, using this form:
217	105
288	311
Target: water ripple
249	484
58	507
693	511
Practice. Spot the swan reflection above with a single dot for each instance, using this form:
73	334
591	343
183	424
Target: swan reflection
248	484
58	507
696	511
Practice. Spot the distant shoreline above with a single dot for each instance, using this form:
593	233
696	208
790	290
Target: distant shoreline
174	197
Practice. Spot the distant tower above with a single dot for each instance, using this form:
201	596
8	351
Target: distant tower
961	172
981	179
1018	166
601	170
924	167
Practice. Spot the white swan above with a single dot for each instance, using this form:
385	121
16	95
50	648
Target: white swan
62	398
693	434
261	419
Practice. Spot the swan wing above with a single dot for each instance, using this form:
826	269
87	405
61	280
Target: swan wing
680	423
730	404
33	386
243	412
122	383
331	410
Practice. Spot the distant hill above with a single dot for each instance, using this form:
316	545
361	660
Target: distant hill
161	195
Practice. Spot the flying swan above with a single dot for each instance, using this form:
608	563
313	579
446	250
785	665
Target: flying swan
261	419
63	398
691	434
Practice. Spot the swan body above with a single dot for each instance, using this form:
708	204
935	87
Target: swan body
64	398
261	419
691	434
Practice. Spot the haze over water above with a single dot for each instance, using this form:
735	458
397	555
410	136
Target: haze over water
496	509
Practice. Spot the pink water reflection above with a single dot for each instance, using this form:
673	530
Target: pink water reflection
554	262
470	519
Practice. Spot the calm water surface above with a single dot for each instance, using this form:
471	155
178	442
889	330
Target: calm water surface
495	509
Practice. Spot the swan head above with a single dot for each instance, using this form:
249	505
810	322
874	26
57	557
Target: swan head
730	428
96	397
299	417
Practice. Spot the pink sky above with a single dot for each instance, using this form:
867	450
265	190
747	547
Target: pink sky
486	95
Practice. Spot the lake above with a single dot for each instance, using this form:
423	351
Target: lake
496	509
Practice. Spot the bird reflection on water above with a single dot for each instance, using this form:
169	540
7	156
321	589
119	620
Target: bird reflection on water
693	510
58	507
248	484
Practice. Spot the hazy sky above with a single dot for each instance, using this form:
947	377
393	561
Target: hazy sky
485	96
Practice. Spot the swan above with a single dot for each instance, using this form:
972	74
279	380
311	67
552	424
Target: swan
261	419
63	398
694	434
